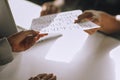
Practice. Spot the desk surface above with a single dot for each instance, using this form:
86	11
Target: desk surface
93	62
97	60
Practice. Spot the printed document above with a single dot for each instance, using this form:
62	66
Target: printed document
73	35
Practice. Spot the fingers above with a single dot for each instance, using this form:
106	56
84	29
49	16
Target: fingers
22	35
91	31
20	39
85	16
41	75
30	41
49	8
30	33
25	39
53	78
50	11
95	20
40	35
44	77
48	77
89	15
44	10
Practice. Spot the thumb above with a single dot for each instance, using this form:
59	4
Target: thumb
25	34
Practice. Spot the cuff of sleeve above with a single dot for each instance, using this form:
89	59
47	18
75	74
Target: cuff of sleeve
117	17
5	52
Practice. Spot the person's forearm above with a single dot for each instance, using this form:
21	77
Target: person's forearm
118	20
117	17
109	24
118	23
114	25
5	52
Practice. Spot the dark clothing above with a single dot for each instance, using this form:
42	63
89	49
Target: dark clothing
109	6
40	2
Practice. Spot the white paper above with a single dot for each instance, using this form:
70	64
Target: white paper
73	36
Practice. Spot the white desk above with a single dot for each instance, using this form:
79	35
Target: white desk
98	60
93	62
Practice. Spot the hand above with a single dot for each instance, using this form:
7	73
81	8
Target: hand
107	22
49	8
44	77
24	40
